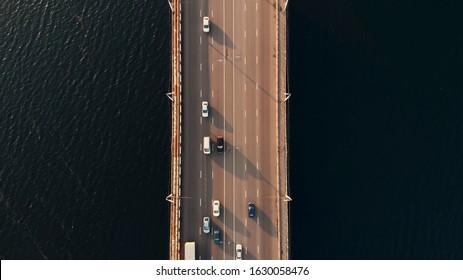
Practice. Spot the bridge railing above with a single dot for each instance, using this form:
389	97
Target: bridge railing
176	138
282	140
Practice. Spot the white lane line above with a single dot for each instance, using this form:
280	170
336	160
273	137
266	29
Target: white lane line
244	113
244	87
201	40
200	13
212	13
234	141
258	250
257	59
199	230
257	112
200	120
200	67
245	193
201	93
245	33
245	7
200	146
257	165
257	192
212	41
212	93
257	32
258	221
200	202
245	169
200	176
212	65
257	138
223	93
257	6
257	85
212	120
212	174
246	222
245	60
244	139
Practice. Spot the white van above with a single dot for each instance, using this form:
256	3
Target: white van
207	145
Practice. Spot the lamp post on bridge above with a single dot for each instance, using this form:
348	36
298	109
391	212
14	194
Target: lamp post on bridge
286	4
288	95
169	198
169	95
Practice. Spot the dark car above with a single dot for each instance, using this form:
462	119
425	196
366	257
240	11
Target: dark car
251	209
216	232
220	144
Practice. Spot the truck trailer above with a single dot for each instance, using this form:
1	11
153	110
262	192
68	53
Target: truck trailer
190	251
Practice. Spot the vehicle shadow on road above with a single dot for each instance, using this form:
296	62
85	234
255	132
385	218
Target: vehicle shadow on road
264	220
243	167
239	225
252	81
220	37
219	120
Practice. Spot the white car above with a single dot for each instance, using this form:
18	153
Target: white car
206	25
239	251
216	208
206	224
205	109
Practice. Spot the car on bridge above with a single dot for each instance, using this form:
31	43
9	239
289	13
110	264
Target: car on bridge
206	24
206	225
216	208
205	109
239	251
217	239
220	144
251	209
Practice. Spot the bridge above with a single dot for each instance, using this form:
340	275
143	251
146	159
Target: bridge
232	55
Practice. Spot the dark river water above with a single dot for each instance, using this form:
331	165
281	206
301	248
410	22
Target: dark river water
376	129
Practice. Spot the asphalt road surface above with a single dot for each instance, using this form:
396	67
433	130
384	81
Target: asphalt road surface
233	68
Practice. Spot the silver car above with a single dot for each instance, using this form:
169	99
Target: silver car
206	224
205	109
